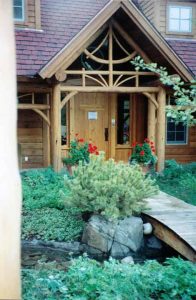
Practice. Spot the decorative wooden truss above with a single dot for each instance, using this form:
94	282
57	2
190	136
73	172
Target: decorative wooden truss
38	108
112	77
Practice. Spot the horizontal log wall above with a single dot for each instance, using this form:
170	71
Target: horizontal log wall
183	153
30	138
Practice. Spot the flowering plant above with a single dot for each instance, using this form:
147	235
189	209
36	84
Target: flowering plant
143	153
79	151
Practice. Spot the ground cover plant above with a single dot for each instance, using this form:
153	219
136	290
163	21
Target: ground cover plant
111	189
44	214
179	180
88	280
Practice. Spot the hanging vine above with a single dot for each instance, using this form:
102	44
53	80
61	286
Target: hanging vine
185	98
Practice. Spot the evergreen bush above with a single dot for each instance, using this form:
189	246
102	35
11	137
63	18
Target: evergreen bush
112	189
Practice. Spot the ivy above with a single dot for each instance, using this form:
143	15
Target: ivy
185	98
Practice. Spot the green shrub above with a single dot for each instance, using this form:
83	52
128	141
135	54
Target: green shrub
42	188
88	280
52	224
112	189
179	180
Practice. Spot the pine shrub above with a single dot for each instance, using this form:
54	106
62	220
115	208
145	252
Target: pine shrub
112	189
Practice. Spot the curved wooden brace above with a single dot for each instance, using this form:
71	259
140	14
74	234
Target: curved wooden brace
102	78
39	112
119	44
125	80
67	98
25	95
101	44
96	80
152	98
118	79
124	60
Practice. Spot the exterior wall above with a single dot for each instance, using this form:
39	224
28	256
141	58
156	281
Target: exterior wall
156	12
32	15
30	139
183	153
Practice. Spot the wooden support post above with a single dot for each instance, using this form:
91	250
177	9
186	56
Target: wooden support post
10	187
151	121
160	137
56	128
110	54
46	136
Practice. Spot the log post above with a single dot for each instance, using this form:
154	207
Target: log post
151	120
10	187
160	137
56	128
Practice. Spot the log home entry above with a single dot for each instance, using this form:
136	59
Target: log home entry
75	76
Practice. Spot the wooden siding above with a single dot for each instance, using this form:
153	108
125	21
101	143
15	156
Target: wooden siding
30	138
183	153
32	15
157	13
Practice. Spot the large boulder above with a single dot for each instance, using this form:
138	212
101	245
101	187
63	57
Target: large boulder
99	233
117	239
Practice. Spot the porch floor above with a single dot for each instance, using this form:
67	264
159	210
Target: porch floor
174	222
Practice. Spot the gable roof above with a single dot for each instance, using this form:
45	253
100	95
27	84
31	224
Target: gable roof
62	22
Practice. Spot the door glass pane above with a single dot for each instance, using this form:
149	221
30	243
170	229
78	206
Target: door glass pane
64	126
17	2
18	13
123	119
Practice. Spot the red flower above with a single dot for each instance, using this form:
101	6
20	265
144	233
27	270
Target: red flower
151	143
153	150
134	144
76	134
97	153
142	153
129	153
147	141
141	145
81	140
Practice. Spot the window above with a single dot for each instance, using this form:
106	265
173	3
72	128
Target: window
180	18
176	133
19	10
123	119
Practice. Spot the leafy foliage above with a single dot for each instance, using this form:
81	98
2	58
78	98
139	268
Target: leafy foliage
79	151
52	224
179	180
87	279
143	153
185	97
43	188
112	189
44	214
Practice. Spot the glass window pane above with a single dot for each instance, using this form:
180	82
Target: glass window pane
18	15
174	12
180	127
171	126
123	120
185	25
174	25
180	137
185	13
170	136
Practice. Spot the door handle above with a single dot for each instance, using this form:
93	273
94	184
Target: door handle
106	134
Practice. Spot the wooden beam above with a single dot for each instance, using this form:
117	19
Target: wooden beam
10	185
46	137
90	89
34	106
37	14
152	98
151	121
44	117
67	98
160	137
130	41
110	55
56	128
112	124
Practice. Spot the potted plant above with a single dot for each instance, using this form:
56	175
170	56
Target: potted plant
144	155
79	151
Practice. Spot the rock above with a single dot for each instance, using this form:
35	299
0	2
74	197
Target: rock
118	250
154	243
129	232
99	233
93	251
147	228
127	260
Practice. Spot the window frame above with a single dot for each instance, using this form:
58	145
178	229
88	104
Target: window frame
180	5
21	21
173	143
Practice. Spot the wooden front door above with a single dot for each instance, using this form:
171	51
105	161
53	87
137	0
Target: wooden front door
89	119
